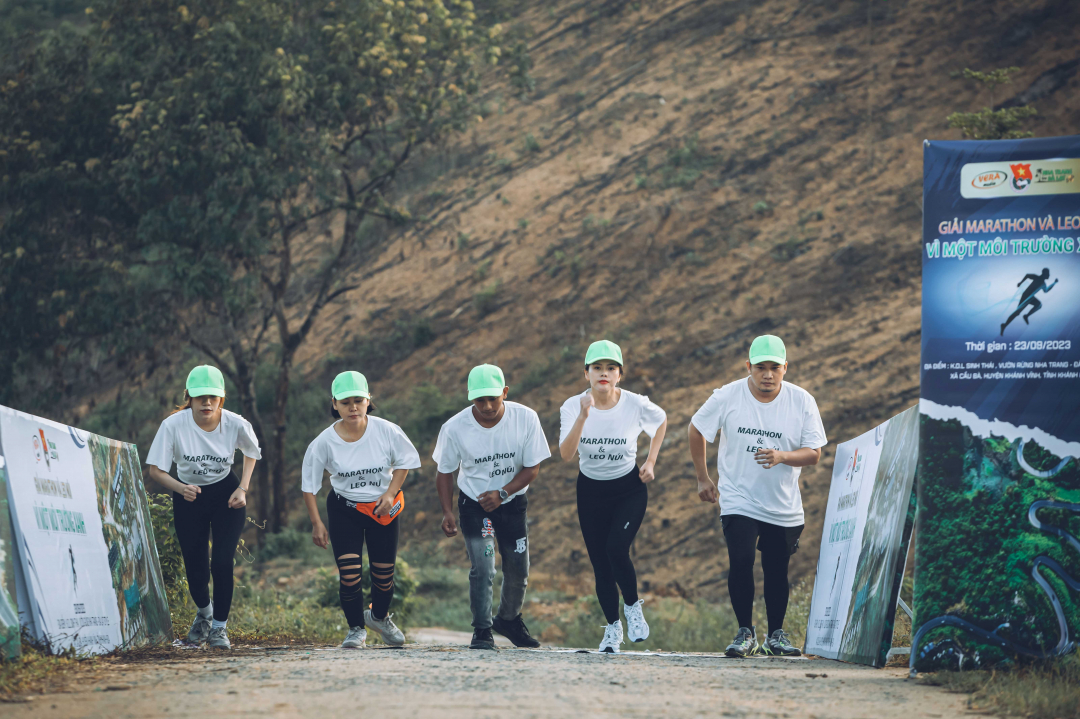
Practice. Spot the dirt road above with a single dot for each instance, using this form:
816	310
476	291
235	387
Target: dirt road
452	681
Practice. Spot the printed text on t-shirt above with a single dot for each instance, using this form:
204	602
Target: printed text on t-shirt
362	472
494	458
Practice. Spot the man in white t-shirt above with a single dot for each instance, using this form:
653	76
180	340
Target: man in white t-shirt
769	429
496	447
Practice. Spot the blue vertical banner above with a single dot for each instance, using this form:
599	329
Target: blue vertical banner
997	559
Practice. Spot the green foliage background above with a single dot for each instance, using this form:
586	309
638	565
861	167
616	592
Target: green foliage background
975	546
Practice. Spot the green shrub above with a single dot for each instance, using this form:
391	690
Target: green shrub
173	575
531	143
422	412
487	300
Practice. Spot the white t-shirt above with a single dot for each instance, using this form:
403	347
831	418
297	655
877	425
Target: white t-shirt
490	458
360	470
201	457
608	446
791	421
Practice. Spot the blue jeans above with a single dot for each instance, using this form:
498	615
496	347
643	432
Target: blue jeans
506	526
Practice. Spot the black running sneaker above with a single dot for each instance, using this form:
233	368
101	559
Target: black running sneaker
515	630
777	645
745	643
482	639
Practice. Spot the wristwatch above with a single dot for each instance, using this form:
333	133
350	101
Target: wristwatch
503	495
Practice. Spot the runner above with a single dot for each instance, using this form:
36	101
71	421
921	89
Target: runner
769	429
602	426
1028	299
202	438
496	448
367	458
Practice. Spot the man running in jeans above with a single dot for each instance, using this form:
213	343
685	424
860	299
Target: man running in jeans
768	430
495	446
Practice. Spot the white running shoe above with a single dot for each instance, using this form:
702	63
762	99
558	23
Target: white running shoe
355	639
637	629
613	637
386	627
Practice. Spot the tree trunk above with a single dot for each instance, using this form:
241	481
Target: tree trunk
245	381
279	516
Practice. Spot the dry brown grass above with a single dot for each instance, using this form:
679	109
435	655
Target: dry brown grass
1039	691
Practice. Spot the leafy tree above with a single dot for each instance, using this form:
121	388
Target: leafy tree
988	123
215	173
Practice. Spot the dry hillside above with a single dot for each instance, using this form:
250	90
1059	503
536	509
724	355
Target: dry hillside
687	175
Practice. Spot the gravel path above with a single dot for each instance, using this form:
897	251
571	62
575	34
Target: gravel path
452	681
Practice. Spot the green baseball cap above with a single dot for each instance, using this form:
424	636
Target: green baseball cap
768	348
205	380
349	384
603	350
486	380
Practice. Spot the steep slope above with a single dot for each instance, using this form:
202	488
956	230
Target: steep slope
686	176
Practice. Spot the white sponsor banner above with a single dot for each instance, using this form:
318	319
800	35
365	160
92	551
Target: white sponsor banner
62	550
864	543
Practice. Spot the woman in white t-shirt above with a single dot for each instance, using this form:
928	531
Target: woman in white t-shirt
202	438
367	459
602	426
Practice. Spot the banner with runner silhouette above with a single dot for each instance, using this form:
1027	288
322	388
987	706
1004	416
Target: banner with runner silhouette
90	574
997	564
864	546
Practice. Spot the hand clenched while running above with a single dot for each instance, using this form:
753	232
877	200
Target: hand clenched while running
449	525
647	472
238	498
707	491
587	403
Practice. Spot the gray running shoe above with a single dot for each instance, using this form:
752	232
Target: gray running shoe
386	627
777	644
355	639
218	639
745	643
200	629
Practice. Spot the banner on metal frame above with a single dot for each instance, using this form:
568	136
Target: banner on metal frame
997	564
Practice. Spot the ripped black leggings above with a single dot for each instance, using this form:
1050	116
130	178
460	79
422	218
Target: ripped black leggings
349	529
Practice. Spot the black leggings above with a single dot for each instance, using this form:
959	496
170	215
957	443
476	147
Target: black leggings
348	530
777	544
610	513
194	522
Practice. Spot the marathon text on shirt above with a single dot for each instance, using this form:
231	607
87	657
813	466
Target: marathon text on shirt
493	457
358	472
205	458
603	440
760	432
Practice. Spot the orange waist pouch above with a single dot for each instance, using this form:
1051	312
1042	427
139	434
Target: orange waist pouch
368	508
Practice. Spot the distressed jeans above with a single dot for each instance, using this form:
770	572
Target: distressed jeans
506	526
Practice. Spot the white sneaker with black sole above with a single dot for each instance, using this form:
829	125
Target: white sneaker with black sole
355	639
637	629
386	627
613	637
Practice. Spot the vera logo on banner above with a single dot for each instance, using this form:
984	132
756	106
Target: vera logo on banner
868	525
82	526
